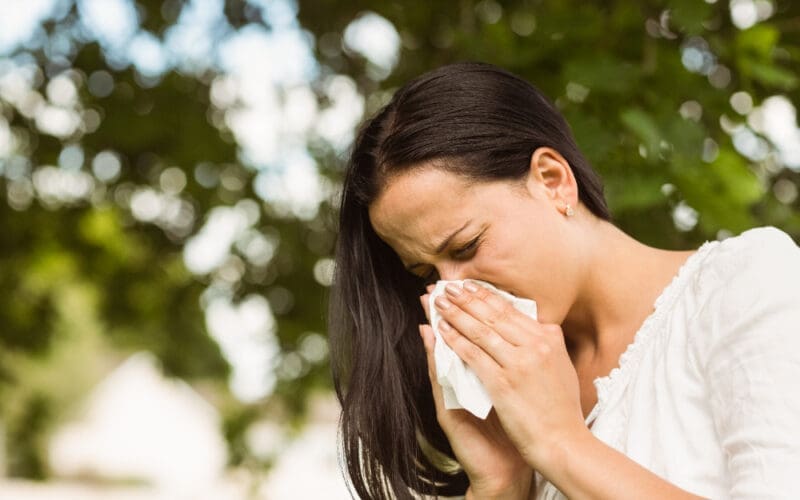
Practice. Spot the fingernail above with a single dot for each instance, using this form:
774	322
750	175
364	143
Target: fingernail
472	287
442	303
453	290
444	325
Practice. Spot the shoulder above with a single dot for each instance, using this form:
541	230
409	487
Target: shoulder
747	290
749	359
757	258
764	239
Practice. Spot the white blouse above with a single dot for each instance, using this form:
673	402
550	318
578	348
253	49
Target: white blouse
707	395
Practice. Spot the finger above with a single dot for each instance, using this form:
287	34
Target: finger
476	332
425	300
429	340
486	367
430	288
495	311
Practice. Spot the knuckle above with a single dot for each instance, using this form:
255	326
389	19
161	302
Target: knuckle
494	342
467	298
497	316
503	385
544	349
482	333
502	314
469	353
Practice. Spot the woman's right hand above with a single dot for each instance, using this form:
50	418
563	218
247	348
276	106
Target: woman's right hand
492	463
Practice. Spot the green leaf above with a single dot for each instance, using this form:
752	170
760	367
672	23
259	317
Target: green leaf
635	190
644	127
738	182
689	15
758	41
770	74
722	192
602	73
595	140
686	137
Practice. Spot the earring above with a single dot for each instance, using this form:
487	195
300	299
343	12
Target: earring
570	212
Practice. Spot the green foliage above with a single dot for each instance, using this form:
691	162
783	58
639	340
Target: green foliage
87	279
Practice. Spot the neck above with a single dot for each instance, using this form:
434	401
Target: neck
620	286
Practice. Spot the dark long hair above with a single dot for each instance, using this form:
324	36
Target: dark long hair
470	118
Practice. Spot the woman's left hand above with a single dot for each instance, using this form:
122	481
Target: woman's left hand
524	366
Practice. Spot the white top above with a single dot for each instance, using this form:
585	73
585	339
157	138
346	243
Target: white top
707	395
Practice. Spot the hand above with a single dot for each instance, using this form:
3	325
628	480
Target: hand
492	463
524	366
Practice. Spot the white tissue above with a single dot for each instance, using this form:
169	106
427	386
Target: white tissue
460	386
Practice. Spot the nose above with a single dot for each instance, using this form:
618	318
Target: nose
451	271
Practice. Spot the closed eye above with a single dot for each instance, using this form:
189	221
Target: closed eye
472	245
462	253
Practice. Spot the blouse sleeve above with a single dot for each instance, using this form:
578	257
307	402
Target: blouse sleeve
752	364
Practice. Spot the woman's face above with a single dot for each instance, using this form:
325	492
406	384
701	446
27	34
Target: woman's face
511	234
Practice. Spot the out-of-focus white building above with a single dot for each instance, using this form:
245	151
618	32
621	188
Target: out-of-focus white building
139	425
144	436
308	467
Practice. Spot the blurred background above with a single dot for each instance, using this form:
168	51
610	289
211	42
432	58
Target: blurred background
169	172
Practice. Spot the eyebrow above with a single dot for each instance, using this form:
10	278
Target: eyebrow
440	248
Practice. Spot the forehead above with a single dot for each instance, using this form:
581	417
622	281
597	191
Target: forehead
417	209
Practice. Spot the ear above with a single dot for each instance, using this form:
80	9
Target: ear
550	175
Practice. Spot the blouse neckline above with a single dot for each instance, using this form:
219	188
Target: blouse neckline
633	353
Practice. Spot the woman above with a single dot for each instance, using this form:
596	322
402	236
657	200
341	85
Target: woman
649	373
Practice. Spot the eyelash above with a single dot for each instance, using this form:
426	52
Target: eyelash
472	245
469	246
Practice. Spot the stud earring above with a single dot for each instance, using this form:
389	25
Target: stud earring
570	212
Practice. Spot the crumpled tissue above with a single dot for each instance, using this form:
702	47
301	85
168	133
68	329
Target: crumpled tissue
461	387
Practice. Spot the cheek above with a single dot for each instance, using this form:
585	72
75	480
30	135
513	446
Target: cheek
499	264
523	269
